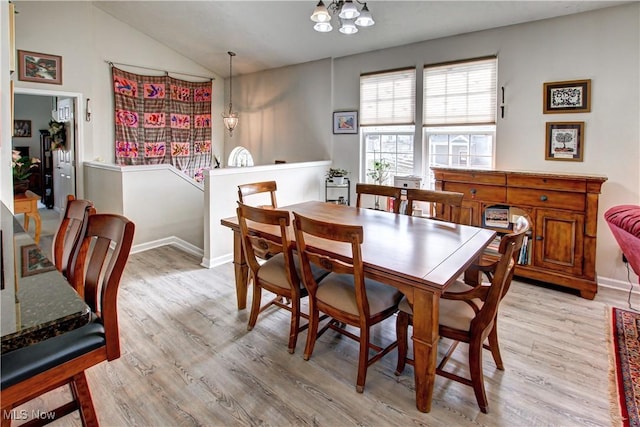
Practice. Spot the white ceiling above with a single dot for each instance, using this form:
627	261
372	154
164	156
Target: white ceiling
271	34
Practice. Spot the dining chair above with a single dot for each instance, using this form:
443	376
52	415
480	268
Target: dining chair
69	231
378	191
34	370
280	274
467	317
486	266
345	294
270	187
444	205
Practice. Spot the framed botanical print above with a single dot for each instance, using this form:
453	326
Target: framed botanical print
565	141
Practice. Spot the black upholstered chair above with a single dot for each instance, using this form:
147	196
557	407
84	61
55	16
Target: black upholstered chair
31	371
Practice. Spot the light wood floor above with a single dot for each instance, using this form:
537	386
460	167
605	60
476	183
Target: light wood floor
189	360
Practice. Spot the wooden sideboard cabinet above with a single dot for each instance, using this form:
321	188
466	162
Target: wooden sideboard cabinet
563	209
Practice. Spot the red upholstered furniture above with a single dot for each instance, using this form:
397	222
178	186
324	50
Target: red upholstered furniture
624	222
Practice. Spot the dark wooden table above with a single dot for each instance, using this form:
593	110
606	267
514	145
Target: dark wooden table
37	301
419	256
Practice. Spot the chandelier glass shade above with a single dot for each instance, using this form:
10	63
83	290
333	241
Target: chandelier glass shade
230	119
348	14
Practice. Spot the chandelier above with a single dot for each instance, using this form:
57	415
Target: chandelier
350	17
231	118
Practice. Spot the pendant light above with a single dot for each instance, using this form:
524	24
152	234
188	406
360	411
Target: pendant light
231	118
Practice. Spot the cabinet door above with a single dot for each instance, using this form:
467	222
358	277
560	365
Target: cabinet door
558	242
470	213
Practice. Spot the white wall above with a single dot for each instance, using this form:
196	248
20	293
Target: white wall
165	205
85	37
603	46
285	113
297	182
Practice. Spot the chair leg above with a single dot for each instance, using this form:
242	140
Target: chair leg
312	332
402	332
295	325
363	359
494	346
477	376
81	393
255	305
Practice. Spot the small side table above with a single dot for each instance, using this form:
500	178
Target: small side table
27	204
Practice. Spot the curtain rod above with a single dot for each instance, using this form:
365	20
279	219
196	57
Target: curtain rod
111	63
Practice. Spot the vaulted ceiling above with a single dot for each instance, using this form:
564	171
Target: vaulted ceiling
271	34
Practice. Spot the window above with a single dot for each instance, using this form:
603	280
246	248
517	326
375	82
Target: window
459	115
387	117
240	157
394	144
458	119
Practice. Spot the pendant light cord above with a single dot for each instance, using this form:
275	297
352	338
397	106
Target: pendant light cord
231	55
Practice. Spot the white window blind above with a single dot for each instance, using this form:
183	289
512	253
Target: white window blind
460	93
388	98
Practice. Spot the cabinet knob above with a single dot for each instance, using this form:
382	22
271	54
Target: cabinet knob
538	237
473	192
543	198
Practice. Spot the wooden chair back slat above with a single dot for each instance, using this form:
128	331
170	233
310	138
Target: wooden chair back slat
69	231
97	269
256	246
379	191
331	232
270	187
443	204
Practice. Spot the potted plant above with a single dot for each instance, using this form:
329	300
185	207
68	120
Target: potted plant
379	173
22	169
337	175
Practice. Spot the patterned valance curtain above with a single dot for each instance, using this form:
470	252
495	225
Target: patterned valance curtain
160	119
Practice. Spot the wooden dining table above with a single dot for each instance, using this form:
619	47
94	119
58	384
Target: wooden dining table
419	256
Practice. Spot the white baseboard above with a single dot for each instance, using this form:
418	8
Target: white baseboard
214	262
174	241
619	284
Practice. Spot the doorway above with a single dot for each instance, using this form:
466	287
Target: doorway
66	107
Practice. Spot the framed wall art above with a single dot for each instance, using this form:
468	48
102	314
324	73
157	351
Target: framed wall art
22	128
565	141
567	97
39	67
345	122
34	261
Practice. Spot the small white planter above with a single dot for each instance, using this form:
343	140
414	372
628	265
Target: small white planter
338	180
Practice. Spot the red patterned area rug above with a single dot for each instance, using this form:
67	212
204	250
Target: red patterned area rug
624	354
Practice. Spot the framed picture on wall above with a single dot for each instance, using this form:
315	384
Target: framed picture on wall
345	122
567	97
565	141
22	128
39	67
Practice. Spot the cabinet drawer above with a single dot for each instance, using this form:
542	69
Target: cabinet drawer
22	207
543	198
490	193
547	183
470	176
